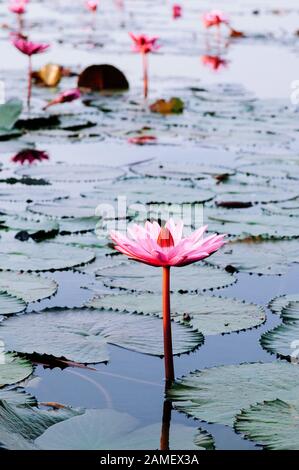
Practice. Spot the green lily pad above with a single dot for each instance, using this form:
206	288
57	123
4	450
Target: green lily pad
31	194
289	208
263	257
281	169
251	194
210	315
72	173
179	170
281	302
13	369
38	230
142	278
21	425
39	257
9	114
109	430
82	335
283	340
28	287
273	424
65	210
218	394
9	304
149	191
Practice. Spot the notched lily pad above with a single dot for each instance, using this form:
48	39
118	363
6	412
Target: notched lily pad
13	369
28	287
82	335
210	315
10	304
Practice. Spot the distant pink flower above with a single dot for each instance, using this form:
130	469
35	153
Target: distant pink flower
65	97
165	247
144	45
29	48
17	6
143	140
30	156
176	11
214	18
214	62
92	5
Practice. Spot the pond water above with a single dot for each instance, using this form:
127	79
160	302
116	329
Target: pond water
239	115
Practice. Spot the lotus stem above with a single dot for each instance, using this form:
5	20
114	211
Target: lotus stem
165	430
168	352
145	75
29	90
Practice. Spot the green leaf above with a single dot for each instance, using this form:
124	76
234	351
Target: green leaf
9	304
82	335
111	430
9	114
274	424
38	257
210	315
72	173
28	287
30	194
142	278
216	395
283	340
13	369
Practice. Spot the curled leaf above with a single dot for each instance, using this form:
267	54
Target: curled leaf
102	77
173	106
49	75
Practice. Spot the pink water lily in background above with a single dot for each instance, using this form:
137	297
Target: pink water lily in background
177	11
144	45
65	97
143	140
92	5
214	18
215	62
29	48
165	246
30	156
17	6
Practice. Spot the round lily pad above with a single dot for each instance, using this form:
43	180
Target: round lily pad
72	173
31	194
74	208
142	278
13	369
30	256
218	394
109	429
210	315
28	287
9	304
82	335
273	424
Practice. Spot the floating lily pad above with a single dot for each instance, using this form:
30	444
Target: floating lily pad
218	394
28	287
210	315
289	208
241	225
31	194
264	257
82	335
30	256
21	425
281	169
284	339
149	191
9	304
38	230
274	424
13	369
76	208
102	77
279	303
142	278
111	430
251	194
72	173
9	114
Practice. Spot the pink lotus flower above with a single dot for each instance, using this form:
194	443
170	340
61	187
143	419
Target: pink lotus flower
18	7
214	18
65	97
165	247
144	45
29	48
214	62
92	5
30	156
177	11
